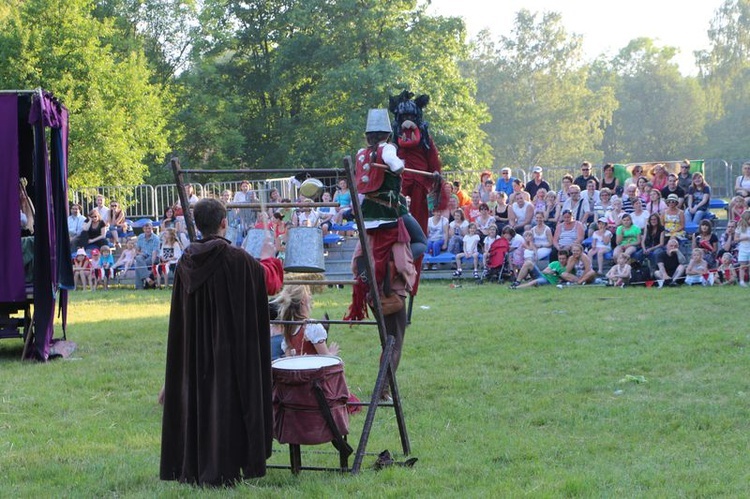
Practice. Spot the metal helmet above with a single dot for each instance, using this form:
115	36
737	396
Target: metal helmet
378	121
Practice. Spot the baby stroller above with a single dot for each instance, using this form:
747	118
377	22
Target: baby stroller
497	266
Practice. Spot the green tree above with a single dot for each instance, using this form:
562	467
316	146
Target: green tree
725	74
661	113
116	117
299	77
535	87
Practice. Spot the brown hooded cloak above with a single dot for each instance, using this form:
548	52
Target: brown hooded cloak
218	421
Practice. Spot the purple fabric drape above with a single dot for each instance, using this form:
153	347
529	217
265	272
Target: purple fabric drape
12	286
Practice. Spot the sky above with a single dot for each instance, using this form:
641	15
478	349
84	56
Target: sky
605	25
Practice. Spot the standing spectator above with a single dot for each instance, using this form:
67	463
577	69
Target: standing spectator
671	264
684	179
107	264
505	182
97	272
247	216
743	247
673	188
585	176
147	247
536	182
190	194
170	252
118	226
698	198
75	222
742	184
609	180
101	207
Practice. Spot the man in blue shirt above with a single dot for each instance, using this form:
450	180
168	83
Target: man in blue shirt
148	253
505	182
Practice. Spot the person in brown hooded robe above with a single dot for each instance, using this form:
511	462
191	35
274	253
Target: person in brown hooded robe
218	418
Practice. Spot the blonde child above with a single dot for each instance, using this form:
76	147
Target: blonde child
697	269
619	274
127	257
81	269
471	250
742	236
726	272
107	262
601	244
97	273
491	238
737	207
169	253
529	248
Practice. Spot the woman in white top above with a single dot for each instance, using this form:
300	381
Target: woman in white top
542	237
742	184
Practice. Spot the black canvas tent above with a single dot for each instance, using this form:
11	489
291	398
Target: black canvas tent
35	270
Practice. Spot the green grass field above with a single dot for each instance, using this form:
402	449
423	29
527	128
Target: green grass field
582	392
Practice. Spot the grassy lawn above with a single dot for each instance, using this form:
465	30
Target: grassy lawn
544	393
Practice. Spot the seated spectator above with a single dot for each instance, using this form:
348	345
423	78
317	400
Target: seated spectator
630	195
505	183
671	264
488	187
169	220
660	179
536	182
501	211
644	187
94	233
326	214
639	216
578	270
707	241
491	238
470	250
652	242
457	229
673	218
344	198
736	208
539	200
673	188
585	176
614	216
578	205
635	173
728	240
190	194
627	238
697	269
520	214
147	254
515	249
726	272
107	266
471	210
655	203
518	190
306	217
698	199
550	210
127	257
81	270
593	196
461	195
609	181
484	221
542	236
601	244
484	177
101	207
118	226
550	275
247	216
562	194
568	232
75	222
170	252
619	274
437	234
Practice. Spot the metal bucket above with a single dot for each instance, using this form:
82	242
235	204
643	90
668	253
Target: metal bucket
304	250
253	242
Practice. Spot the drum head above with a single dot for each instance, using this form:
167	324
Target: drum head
306	362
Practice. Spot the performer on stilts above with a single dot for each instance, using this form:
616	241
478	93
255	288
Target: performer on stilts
417	149
386	223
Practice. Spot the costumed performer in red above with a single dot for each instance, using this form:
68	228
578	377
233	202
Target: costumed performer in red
218	416
388	233
417	149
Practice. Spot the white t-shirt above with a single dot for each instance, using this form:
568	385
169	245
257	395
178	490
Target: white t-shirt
471	243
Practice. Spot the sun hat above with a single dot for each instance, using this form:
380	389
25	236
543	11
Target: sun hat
81	252
673	197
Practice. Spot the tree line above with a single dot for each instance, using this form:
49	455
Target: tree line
286	84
